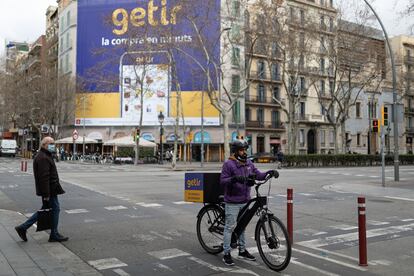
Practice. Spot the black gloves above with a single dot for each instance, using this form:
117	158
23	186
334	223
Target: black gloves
273	173
239	178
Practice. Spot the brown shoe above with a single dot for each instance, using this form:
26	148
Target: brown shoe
21	232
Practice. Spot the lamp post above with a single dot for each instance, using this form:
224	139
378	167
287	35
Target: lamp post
161	120
394	96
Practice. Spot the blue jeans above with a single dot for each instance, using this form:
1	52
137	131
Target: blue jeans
231	211
54	204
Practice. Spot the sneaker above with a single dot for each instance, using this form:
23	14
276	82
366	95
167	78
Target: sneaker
246	255
228	260
21	232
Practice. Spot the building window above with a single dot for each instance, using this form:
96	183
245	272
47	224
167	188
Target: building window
67	63
275	119
235	59
302	137
322	87
358	139
275	49
68	19
67	40
322	46
302	40
62	40
322	23
248	114
260	116
331	24
62	26
292	14
331	138
358	110
275	72
302	110
302	81
301	62
302	17
276	92
322	134
322	65
236	112
261	70
235	84
331	87
261	93
235	11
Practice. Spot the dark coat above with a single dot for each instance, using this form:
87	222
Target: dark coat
46	175
238	192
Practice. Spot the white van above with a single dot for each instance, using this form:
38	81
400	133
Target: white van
8	147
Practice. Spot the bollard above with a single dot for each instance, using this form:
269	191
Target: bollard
290	214
25	165
21	166
362	232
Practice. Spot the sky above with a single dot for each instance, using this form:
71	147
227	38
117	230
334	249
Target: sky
28	23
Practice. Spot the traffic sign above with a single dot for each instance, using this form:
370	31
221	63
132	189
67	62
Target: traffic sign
75	135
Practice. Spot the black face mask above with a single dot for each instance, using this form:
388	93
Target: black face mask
241	158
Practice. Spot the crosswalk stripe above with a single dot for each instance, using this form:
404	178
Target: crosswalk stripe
76	211
115	208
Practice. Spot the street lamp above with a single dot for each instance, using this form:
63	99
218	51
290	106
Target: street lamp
161	120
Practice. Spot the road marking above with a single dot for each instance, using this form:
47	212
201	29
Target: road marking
354	236
163	266
407	220
376	223
147	205
381	262
309	232
344	227
305	194
400	198
373	176
320	271
360	175
76	211
223	269
168	254
330	260
121	272
183	203
109	263
115	208
89	220
28	215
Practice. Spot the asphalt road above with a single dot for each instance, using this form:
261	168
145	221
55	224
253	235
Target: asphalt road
127	220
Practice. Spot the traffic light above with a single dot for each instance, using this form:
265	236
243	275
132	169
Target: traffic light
375	125
384	113
137	133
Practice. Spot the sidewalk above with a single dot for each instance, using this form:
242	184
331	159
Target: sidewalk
37	256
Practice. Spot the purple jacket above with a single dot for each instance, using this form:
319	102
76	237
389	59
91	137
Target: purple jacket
237	192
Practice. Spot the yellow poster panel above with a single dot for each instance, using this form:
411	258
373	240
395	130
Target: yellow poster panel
98	105
194	196
192	104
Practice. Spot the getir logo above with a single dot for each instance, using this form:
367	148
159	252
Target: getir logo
138	17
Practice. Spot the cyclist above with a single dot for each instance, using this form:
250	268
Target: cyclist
236	177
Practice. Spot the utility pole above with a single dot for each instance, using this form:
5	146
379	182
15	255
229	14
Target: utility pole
202	129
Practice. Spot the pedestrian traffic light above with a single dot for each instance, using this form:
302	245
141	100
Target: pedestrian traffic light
375	126
384	113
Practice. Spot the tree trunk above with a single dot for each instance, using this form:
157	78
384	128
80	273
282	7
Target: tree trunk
226	135
343	137
335	131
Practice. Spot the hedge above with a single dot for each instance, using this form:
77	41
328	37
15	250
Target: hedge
343	160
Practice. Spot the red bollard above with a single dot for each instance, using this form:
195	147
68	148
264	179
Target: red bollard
290	214
23	166
362	232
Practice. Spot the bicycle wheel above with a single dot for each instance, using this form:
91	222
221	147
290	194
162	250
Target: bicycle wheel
273	243
210	227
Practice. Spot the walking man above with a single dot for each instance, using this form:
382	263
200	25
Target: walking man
47	187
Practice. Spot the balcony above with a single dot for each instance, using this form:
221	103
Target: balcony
262	100
409	130
409	110
264	76
265	125
310	118
409	60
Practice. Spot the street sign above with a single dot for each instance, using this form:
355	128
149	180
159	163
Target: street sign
75	135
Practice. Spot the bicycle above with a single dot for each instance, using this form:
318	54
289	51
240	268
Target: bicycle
270	233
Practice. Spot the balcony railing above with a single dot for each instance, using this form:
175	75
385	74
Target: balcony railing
261	100
265	125
264	76
310	117
409	110
409	130
409	59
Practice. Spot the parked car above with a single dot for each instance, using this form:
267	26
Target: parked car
8	147
262	157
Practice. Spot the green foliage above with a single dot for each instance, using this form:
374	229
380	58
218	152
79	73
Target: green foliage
129	152
343	160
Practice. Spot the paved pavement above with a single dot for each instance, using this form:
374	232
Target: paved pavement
126	220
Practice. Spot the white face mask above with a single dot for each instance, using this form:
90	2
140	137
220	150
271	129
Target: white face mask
51	148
